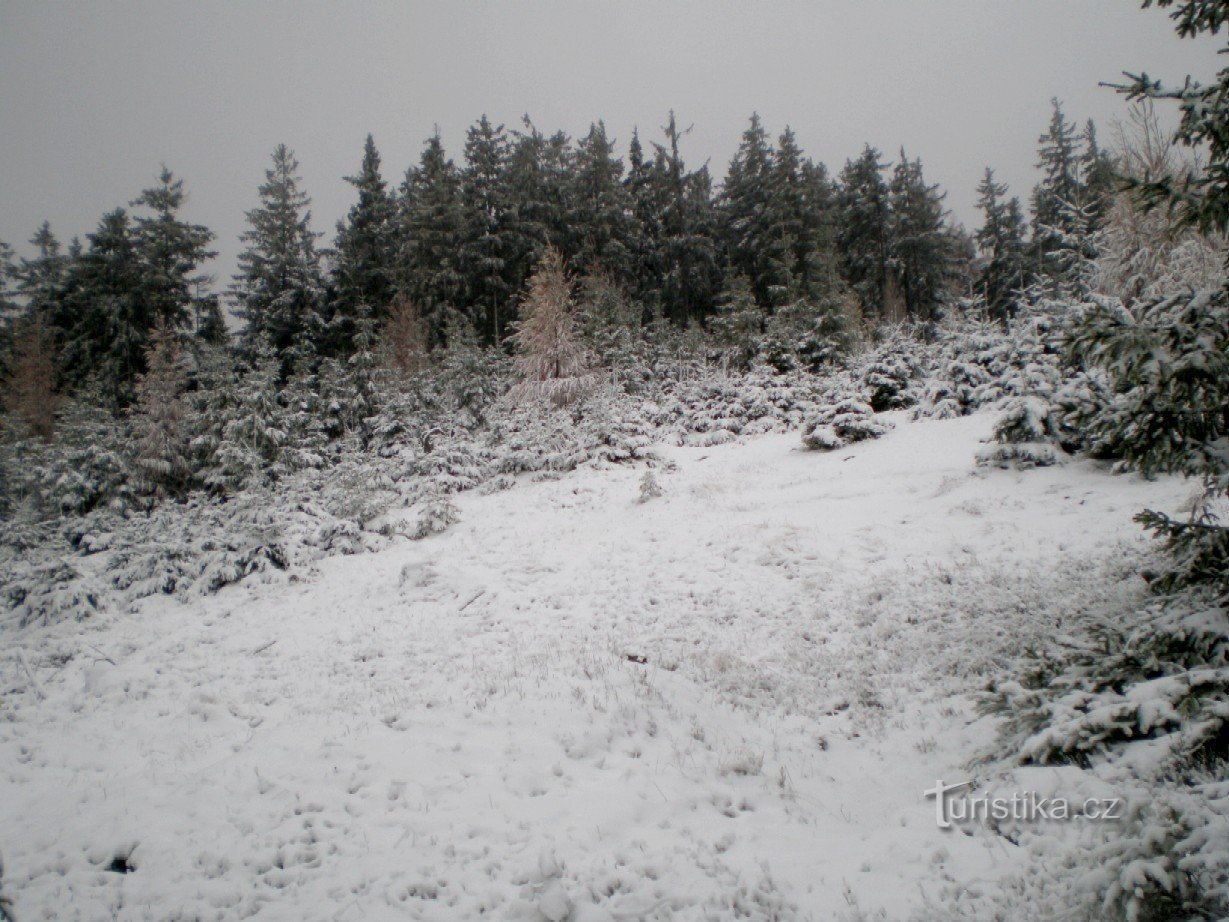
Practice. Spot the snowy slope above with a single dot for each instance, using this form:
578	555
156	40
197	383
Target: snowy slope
463	725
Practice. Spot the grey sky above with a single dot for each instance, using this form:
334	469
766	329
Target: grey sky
94	96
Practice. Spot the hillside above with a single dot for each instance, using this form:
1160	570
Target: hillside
723	702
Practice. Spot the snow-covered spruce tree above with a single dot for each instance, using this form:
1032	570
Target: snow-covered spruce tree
251	448
609	323
737	323
1000	242
279	289
171	252
366	250
162	458
210	402
841	423
891	372
1161	674
550	358
88	465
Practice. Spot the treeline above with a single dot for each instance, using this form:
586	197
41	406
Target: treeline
782	254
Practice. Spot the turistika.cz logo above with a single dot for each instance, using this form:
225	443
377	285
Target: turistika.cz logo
1022	806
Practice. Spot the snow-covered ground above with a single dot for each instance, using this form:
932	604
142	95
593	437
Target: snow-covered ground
724	702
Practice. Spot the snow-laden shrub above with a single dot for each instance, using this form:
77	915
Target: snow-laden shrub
649	487
1166	858
889	377
1162	674
718	408
984	364
842	423
438	514
1022	436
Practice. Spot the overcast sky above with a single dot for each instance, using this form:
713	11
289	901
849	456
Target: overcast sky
95	96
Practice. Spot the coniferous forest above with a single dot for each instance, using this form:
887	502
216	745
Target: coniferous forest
516	360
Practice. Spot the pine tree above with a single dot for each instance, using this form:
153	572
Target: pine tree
737	323
484	249
171	252
105	316
1000	241
919	245
687	258
534	181
279	289
750	246
549	357
366	251
432	222
40	281
598	209
864	237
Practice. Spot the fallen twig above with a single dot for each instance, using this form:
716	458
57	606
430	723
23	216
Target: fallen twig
101	655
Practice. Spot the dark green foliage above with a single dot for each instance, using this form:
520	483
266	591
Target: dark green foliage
279	290
104	317
864	237
171	252
366	255
1001	242
738	322
599	217
485	245
681	231
920	245
432	224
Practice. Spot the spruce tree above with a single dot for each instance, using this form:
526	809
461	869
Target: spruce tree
8	279
171	251
598	210
163	451
684	232
252	444
366	251
1001	244
644	243
1059	197
751	248
920	245
40	281
105	317
433	224
738	322
484	249
534	180
1167	359
279	290
864	237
